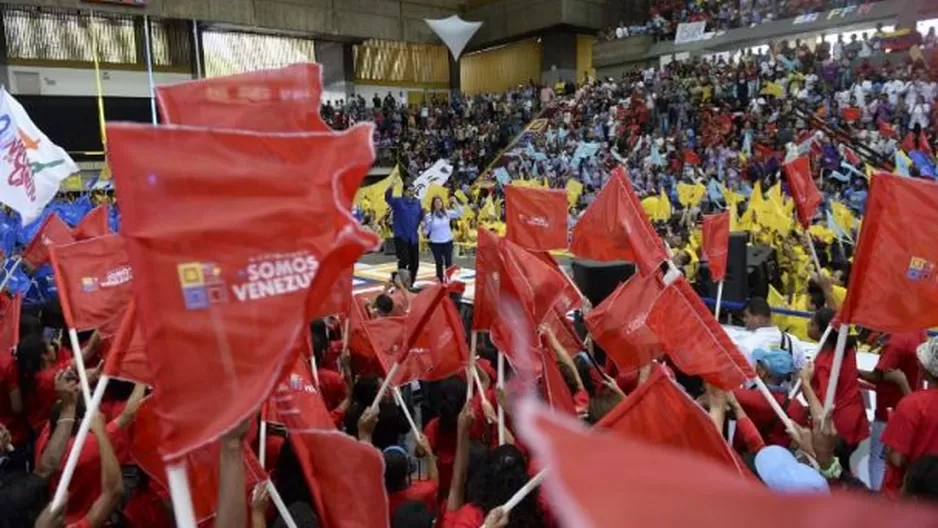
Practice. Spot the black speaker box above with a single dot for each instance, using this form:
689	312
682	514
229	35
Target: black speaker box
763	270
736	282
597	280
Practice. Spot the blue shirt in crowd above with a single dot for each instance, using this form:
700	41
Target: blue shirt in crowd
406	215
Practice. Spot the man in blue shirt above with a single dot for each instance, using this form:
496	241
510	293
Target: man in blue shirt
406	214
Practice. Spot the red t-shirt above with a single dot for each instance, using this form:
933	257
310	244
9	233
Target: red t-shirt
332	387
912	431
768	424
146	509
40	401
424	491
849	414
467	516
83	523
9	381
898	354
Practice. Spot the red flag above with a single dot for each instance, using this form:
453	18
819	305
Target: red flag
614	227
565	332
894	282
923	144
53	232
852	157
803	189
11	309
618	324
297	402
691	157
94	280
358	340
716	242
277	100
487	284
127	354
228	265
850	113
536	218
695	340
536	285
886	129
557	393
661	413
908	143
570	299
94	224
711	496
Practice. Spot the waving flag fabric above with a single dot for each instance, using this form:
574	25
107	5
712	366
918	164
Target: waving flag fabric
94	224
94	280
488	274
536	218
127	355
52	232
894	282
803	189
619	324
277	100
716	243
233	252
10	310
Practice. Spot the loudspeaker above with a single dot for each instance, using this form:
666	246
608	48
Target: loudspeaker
763	270
736	281
599	279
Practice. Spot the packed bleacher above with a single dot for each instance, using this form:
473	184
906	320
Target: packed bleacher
202	358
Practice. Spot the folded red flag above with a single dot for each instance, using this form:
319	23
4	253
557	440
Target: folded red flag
661	413
277	100
556	391
894	282
11	309
695	340
487	284
923	144
851	113
233	253
201	465
536	218
538	286
94	280
716	242
619	324
570	298
53	232
614	227
127	353
908	142
803	189
297	403
711	496
94	224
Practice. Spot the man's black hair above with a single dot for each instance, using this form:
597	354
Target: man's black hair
758	306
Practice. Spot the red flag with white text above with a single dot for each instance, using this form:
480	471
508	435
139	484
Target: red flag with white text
619	323
233	253
716	243
536	218
53	232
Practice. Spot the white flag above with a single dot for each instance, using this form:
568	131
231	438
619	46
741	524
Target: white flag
31	166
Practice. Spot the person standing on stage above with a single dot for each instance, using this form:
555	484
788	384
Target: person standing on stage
406	214
436	225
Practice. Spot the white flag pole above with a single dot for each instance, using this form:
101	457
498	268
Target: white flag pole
181	496
149	56
523	492
9	275
80	363
279	504
835	367
410	419
91	410
384	386
716	312
262	445
196	48
501	386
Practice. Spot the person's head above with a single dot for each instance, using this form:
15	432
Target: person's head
757	314
504	472
409	190
927	354
819	322
777	467
774	366
32	355
452	399
921	479
436	206
397	468
412	514
384	305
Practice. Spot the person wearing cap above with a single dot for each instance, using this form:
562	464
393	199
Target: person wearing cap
774	367
765	335
781	472
406	214
912	430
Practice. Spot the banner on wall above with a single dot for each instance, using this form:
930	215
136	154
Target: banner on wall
439	174
690	32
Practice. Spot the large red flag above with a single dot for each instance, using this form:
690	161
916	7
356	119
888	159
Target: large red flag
127	354
233	253
661	413
536	218
94	224
803	189
487	284
535	284
894	283
614	227
94	280
716	242
570	299
201	465
618	324
53	232
711	495
695	340
10	309
297	402
278	100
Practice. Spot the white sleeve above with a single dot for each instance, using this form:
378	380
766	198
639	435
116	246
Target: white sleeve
797	352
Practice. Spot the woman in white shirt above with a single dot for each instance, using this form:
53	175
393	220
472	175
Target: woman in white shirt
436	228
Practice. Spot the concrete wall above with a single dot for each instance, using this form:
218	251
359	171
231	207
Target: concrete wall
505	20
28	80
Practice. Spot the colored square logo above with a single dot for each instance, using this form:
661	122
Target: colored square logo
191	274
217	293
88	284
195	298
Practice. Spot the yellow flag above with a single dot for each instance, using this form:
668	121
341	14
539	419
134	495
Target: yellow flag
434	190
371	198
843	216
574	190
869	170
774	89
664	207
821	233
690	195
730	197
775	195
461	196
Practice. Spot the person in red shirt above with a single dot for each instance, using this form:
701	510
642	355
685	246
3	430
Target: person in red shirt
912	430
775	368
397	478
896	375
849	413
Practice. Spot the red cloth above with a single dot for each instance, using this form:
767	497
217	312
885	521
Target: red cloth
770	427
85	487
851	113
898	354
716	242
711	495
912	431
53	232
614	227
691	157
94	281
886	129
899	293
332	387
488	270
660	412
618	323
38	403
570	299
127	354
804	191
849	413
923	144
296	393
536	218
467	516
694	340
277	100
424	491
250	266
750	436
11	309
94	224
908	143
557	392
146	509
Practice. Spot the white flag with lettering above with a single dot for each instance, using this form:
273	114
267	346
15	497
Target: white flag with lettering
31	166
